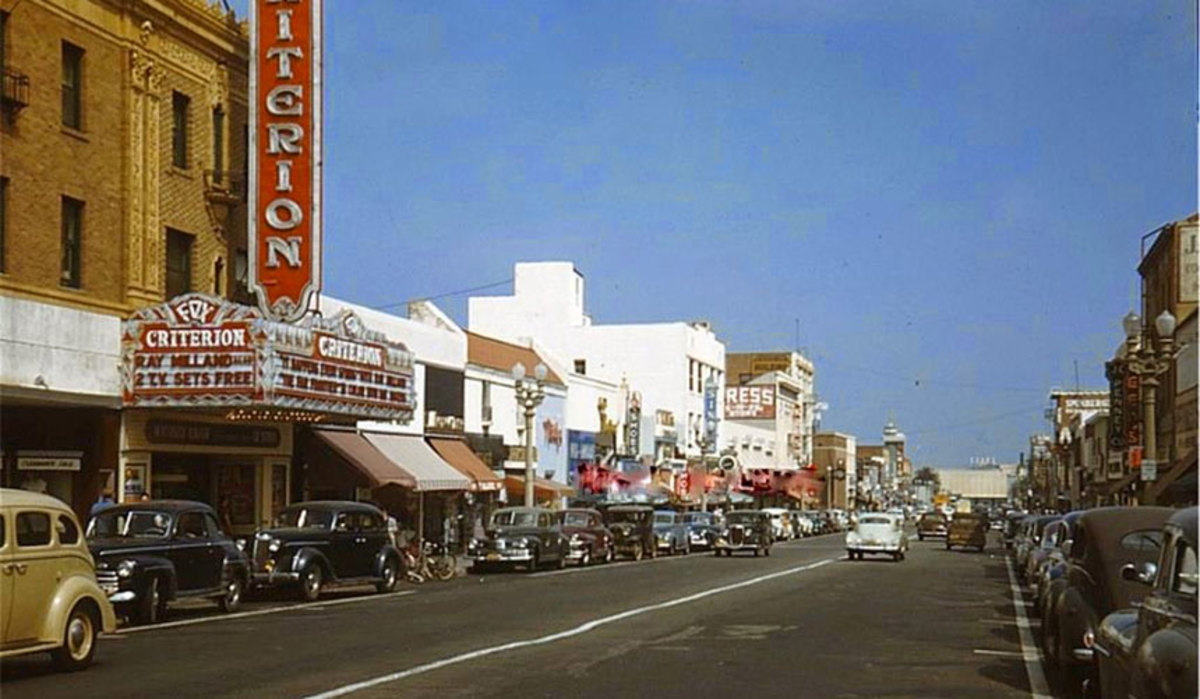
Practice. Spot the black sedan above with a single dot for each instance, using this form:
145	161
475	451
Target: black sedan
149	554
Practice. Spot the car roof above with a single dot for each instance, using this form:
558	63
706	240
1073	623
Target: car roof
1185	521
630	508
15	497
163	506
335	505
1104	527
521	509
586	510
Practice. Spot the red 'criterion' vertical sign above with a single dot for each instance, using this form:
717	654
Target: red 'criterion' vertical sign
285	155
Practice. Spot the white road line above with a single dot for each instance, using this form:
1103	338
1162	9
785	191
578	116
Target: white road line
261	612
1003	653
1029	650
581	629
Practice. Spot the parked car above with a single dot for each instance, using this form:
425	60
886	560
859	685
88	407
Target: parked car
802	523
670	533
1029	543
781	523
588	540
1049	578
53	601
877	532
632	527
1151	651
316	545
931	524
149	554
967	529
528	536
1103	542
745	530
702	529
1012	523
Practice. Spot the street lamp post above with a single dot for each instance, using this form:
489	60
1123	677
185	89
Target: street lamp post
1149	362
529	396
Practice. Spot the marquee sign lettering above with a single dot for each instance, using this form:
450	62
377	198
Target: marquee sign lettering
285	144
750	403
200	351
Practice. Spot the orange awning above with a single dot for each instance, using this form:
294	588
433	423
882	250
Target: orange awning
515	485
460	456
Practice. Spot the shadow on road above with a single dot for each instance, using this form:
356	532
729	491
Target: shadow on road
1007	672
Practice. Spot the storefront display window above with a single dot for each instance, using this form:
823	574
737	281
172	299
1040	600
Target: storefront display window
235	495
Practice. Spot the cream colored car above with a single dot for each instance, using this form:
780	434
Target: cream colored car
49	599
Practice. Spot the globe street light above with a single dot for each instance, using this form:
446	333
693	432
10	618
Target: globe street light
529	396
1148	363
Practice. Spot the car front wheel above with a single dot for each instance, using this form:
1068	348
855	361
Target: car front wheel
151	607
387	581
310	582
232	599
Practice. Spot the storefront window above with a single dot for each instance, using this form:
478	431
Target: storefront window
235	495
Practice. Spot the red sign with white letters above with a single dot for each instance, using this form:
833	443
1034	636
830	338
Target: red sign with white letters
285	144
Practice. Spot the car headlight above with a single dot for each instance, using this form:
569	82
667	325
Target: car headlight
575	539
519	543
852	538
125	569
275	545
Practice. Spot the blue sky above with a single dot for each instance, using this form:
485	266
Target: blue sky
947	196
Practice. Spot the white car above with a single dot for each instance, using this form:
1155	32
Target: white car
781	523
877	532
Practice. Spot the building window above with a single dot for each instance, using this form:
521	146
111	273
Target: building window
691	375
180	105
179	263
218	155
218	276
3	218
581	367
72	241
72	86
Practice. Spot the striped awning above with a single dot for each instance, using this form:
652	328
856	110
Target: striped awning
412	454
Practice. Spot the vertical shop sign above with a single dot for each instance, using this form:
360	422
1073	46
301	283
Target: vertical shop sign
285	145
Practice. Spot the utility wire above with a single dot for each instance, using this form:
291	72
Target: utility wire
971	423
447	294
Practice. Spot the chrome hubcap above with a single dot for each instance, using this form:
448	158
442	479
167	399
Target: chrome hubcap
79	637
234	593
313	581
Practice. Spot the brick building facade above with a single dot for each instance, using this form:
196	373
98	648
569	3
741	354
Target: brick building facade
122	143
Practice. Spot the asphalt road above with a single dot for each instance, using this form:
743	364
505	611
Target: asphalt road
804	622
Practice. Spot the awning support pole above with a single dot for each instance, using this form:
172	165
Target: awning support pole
421	517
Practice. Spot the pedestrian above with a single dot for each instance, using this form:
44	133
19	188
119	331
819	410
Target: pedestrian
102	503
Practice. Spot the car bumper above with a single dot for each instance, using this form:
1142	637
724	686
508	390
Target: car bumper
875	548
744	546
274	577
698	539
509	556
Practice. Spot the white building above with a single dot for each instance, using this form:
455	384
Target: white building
768	408
663	365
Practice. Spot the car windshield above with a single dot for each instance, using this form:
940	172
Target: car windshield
140	524
626	516
741	517
304	518
698	518
664	519
875	520
576	519
932	518
514	518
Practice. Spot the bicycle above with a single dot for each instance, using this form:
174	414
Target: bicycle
428	561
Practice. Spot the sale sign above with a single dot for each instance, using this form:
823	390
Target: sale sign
285	161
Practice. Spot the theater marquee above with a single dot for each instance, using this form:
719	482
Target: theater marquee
200	351
285	146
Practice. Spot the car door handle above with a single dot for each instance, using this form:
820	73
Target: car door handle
20	567
8	568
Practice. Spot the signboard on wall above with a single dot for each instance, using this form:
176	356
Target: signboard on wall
200	351
750	403
284	226
1189	263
